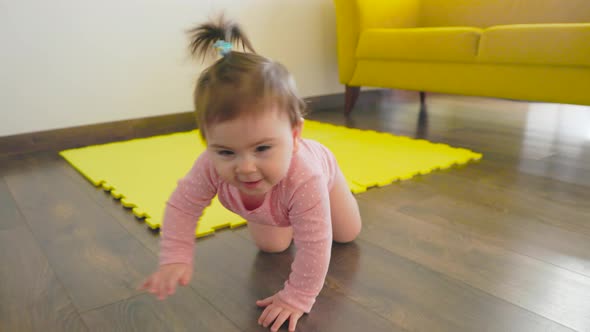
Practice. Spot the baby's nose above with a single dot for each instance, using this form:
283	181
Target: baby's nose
246	165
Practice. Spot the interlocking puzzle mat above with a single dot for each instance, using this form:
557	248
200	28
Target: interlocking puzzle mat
142	173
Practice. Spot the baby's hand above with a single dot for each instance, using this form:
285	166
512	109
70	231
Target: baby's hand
278	311
163	282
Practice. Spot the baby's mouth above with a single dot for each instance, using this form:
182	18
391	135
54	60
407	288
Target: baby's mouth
251	184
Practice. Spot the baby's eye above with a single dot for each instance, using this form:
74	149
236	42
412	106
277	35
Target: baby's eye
225	153
263	148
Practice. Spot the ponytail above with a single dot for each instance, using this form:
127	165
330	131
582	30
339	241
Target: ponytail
217	35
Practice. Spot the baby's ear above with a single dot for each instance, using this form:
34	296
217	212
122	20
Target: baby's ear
297	128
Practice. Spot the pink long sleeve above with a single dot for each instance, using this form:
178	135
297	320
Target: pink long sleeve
312	232
183	209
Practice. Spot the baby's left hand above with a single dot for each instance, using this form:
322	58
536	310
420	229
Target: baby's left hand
278	311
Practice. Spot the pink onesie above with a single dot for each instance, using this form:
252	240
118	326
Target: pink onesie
300	200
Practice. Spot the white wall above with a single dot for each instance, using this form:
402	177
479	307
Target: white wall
67	63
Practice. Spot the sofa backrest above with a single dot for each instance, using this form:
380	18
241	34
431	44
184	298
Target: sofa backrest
485	13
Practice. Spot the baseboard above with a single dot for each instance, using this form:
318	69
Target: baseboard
68	138
335	102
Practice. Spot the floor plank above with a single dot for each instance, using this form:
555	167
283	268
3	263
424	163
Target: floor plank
184	311
417	298
542	288
97	260
9	215
32	298
521	223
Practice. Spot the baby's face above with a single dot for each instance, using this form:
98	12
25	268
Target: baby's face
253	152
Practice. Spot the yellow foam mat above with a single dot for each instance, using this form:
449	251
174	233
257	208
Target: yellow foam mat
142	173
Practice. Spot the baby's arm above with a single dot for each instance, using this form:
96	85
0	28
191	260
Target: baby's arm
183	209
312	233
193	193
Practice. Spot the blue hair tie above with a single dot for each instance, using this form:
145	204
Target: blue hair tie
223	47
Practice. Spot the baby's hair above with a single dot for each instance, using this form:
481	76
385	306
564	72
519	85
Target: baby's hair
239	82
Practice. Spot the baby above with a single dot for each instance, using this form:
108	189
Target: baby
286	187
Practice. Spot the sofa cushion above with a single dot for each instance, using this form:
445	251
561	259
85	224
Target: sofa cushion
487	13
428	44
537	44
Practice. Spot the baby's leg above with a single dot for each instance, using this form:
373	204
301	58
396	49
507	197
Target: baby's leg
271	239
346	219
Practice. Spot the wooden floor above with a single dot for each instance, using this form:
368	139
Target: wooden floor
500	245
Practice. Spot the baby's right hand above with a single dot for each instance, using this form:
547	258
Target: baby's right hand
163	282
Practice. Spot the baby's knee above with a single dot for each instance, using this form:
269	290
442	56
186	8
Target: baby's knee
271	239
273	247
349	234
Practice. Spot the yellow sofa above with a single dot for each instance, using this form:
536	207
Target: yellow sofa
537	50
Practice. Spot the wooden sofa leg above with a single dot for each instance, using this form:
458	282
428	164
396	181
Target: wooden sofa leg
422	98
351	95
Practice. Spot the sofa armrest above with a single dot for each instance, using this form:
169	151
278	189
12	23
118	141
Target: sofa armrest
355	16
